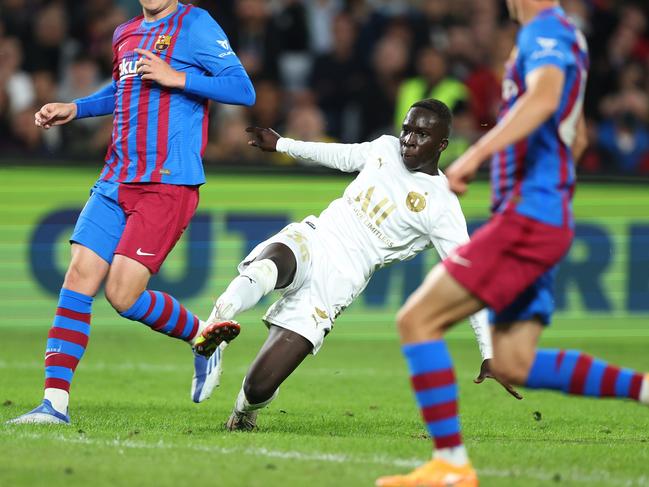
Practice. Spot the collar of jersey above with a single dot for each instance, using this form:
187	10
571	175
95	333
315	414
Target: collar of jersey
156	23
551	10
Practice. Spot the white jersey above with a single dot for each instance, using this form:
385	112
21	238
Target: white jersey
386	214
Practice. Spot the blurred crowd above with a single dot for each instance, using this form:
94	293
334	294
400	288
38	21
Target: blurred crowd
328	70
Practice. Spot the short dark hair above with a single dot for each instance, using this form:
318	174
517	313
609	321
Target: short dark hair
439	108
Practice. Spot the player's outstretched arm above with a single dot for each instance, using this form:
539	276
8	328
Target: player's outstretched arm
54	114
344	157
538	104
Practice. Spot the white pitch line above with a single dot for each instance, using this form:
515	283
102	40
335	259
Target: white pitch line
594	477
160	368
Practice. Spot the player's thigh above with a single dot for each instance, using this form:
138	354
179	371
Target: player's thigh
158	215
438	303
514	346
127	280
99	228
296	249
284	259
86	271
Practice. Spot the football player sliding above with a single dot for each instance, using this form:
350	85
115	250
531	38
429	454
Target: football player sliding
398	205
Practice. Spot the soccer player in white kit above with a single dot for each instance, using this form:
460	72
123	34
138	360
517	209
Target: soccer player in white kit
398	205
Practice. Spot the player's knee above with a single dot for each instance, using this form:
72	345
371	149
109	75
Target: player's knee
412	322
257	392
511	369
120	299
77	276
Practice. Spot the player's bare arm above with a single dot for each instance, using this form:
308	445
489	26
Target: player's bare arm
540	101
151	68
54	114
264	138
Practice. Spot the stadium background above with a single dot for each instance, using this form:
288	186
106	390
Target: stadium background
327	70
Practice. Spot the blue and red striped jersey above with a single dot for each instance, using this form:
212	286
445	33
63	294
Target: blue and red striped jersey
159	134
536	176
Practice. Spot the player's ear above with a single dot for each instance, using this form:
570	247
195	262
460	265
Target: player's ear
443	145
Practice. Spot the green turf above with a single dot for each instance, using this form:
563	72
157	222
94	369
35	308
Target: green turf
346	417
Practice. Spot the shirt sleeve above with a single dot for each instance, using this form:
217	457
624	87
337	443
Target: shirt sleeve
344	157
225	80
448	231
231	86
546	42
99	103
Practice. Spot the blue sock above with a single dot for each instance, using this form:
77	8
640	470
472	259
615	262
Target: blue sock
164	314
433	380
574	372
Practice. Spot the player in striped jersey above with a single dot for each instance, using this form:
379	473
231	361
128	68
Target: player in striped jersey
167	64
509	264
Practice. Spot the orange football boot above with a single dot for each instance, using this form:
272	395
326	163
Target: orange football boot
436	473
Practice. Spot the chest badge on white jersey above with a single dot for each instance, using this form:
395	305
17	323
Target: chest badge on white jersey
415	202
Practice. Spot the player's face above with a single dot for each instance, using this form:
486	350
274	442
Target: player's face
156	6
422	138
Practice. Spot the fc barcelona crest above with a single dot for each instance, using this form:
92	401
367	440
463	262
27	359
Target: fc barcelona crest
162	43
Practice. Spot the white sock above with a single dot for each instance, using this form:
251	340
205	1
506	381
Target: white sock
644	390
59	399
243	405
245	290
456	456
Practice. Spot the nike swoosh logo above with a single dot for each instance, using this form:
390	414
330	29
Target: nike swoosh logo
51	354
139	252
121	45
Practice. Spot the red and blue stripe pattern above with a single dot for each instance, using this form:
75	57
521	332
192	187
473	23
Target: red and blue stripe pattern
579	374
148	119
433	381
67	339
536	175
164	314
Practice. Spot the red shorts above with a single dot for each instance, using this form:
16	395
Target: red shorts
506	256
156	216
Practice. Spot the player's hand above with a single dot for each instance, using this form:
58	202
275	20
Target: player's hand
54	114
486	373
461	172
151	68
265	139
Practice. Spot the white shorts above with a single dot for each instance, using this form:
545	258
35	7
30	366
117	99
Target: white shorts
318	293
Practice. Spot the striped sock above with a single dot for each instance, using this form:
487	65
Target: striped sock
436	391
579	374
66	343
164	314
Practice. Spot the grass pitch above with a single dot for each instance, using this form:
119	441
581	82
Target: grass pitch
344	418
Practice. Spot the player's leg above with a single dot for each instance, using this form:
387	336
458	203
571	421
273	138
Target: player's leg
439	303
517	359
157	216
273	268
283	351
569	371
91	251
